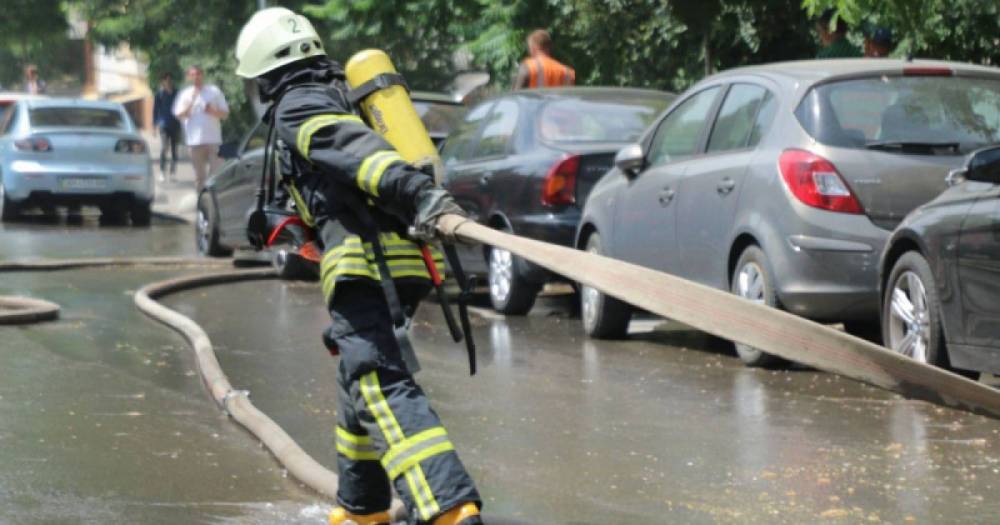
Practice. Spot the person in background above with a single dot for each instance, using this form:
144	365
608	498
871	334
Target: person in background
167	124
201	108
878	42
540	69
33	84
833	42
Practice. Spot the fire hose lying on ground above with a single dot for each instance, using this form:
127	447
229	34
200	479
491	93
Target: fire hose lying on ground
730	317
706	309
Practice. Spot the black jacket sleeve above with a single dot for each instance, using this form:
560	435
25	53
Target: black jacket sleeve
317	123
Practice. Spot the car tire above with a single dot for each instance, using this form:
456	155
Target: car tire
111	214
867	330
603	316
206	226
911	312
510	292
291	266
8	208
141	213
753	280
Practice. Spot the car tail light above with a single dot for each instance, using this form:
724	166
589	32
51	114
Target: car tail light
559	187
816	182
130	146
40	144
927	72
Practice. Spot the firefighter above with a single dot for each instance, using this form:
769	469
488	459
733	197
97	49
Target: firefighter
365	202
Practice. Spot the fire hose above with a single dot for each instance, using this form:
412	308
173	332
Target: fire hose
730	317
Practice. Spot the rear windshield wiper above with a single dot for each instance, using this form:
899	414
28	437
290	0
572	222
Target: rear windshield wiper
913	147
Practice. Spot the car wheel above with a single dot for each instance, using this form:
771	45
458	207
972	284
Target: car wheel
753	280
510	292
206	227
111	214
911	312
141	213
291	266
603	316
8	208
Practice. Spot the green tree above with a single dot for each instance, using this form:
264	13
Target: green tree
30	30
962	30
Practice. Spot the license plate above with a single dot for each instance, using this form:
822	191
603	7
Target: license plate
82	183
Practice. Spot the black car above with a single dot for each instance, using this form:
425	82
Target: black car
940	279
230	194
525	162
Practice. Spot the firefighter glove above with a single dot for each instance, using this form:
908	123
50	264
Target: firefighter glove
431	205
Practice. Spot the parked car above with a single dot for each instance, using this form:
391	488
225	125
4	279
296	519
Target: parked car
56	151
524	163
229	195
940	274
783	182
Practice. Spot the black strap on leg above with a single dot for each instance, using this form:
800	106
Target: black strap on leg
465	285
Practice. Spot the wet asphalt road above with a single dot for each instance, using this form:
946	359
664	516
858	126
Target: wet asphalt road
103	418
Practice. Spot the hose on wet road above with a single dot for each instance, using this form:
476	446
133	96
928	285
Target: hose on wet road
730	317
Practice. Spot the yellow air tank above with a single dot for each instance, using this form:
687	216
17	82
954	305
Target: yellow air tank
390	111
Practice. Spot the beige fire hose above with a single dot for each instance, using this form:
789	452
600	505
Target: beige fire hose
730	317
236	403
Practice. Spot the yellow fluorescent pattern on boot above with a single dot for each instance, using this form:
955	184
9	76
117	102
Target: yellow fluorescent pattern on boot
339	516
458	514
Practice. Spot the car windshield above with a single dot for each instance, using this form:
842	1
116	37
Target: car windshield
581	120
909	114
76	117
439	118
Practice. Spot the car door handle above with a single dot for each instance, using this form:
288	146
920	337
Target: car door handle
485	179
725	186
666	196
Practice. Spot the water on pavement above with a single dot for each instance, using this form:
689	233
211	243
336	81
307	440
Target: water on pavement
105	420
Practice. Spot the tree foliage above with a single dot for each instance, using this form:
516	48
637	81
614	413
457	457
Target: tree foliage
30	30
962	30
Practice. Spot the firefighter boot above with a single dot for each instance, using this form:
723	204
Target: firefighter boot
464	514
339	516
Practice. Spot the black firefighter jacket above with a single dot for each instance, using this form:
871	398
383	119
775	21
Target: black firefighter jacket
345	179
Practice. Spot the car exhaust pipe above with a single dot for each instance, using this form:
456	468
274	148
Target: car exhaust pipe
730	317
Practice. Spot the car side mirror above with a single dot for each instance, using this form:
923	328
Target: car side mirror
984	165
229	150
630	160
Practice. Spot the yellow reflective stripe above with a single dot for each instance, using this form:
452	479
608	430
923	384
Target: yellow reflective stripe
371	170
356	455
407	444
300	205
426	504
371	390
413	450
309	128
353	439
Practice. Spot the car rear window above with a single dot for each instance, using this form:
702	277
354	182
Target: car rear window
76	117
962	112
580	120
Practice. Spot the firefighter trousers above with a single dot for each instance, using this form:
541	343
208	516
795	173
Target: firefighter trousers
386	430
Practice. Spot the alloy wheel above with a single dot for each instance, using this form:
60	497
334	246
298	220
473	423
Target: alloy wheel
909	317
501	273
204	231
750	283
591	297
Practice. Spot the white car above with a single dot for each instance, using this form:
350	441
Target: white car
71	152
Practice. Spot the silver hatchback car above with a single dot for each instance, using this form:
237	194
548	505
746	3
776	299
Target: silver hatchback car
73	152
782	182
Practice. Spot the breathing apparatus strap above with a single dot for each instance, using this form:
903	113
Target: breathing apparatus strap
464	296
377	83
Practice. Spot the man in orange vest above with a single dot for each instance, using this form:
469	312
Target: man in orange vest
540	69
